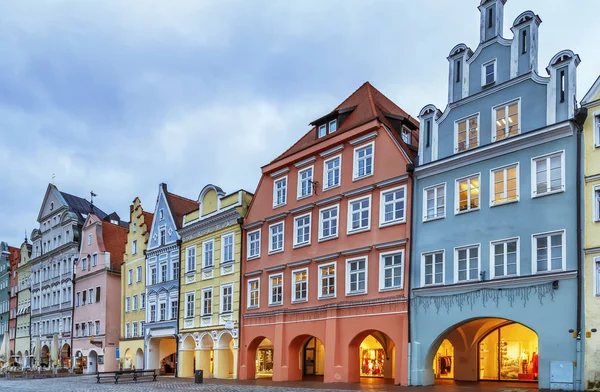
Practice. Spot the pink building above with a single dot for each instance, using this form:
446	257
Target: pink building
97	315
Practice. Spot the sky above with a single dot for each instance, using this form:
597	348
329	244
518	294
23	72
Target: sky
117	96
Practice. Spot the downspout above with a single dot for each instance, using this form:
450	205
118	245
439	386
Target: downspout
73	265
410	168
178	311
240	221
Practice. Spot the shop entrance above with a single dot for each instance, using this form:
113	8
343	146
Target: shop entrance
264	359
65	356
161	354
443	367
314	358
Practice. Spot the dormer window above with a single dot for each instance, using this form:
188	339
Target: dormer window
322	130
332	126
326	129
406	135
488	73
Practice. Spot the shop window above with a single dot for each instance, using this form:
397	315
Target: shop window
372	358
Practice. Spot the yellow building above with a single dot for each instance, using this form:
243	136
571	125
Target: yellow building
591	150
209	292
133	288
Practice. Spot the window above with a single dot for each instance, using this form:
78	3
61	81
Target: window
142	332
596	203
466	265
226	298
467	194
127	335
490	17
77	298
328	222
433	268
163	236
161	214
83	264
127	304
305	182
332	126
363	161
280	192
191	258
94	260
276	237
162	308
322	130
523	41
392	206
597	277
153	275
488	73
134	329
562	85
505	184
138	273
254	293
507	120
428	132
302	230
549	174
331	172
163	272
97	325
300	285
505	258
227	248
457	71
549	251
134	303
359	214
276	289
190	299
134	247
467	133
130	277
83	298
597	130
434	203
254	244
97	293
391	270
89	239
406	136
152	313
142	300
207	301
327	280
207	255
134	227
356	276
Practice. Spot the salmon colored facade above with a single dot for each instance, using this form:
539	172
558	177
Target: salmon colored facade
325	270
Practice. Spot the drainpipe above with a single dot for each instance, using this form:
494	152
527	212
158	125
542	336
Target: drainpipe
177	319
240	221
410	168
74	265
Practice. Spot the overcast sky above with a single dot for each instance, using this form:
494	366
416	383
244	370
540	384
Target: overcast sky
117	96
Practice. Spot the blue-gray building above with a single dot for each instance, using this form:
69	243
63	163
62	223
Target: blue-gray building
4	302
495	260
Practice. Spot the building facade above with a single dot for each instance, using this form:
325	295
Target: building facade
495	245
325	268
133	288
591	197
210	286
4	302
14	259
23	340
162	281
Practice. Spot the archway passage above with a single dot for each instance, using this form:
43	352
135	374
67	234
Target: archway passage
306	358
186	357
127	360
161	354
372	358
224	357
314	358
92	362
139	359
65	356
45	356
264	359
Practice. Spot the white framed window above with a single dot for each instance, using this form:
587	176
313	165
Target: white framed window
174	309
322	130
153	275
391	270
127	304
597	276
276	289
392	206
152	312
432	268
406	135
227	298
467	194
596	203
332	126
227	247
488	73
143	301
190	304
138	273
467	263
162	311
356	275
208	257
327	281
163	272
548	174
549	251
305	182
190	254
130	277
134	328
94	260
434	202
161	214
332	172
328	222
254	293
466	133
596	130
280	192
163	235
253	244
504	184
134	303
134	247
89	239
127	335
504	257
302	230
207	295
276	232
300	285
363	161
506	120
359	214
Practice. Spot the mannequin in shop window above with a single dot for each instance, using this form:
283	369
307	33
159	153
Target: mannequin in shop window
534	365
524	362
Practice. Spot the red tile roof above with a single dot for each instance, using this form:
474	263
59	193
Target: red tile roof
14	257
179	207
148	218
115	239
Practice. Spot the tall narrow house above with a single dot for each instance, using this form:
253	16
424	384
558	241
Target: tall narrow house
495	239
14	259
4	303
23	340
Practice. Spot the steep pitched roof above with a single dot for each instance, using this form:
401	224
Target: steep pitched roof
148	218
115	239
81	206
180	206
365	104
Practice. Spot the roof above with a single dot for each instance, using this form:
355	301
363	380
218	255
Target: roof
180	206
15	256
113	216
115	239
592	92
365	104
148	218
81	207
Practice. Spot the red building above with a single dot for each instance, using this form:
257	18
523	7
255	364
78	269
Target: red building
14	258
325	269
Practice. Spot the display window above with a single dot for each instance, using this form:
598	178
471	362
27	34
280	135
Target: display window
443	363
264	359
372	358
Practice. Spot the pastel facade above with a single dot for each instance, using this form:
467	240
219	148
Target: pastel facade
14	258
495	244
133	288
23	340
325	266
4	301
209	294
591	197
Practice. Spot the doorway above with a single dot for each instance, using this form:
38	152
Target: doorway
443	363
313	358
264	359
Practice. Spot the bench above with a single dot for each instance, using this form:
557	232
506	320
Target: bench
145	373
129	374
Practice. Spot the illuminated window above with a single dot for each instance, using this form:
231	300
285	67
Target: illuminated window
467	194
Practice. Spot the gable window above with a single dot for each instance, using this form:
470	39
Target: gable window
359	214
466	263
191	258
391	270
488	73
356	276
134	247
254	293
562	85
190	299
490	17
280	192
89	239
305	182
467	194
434	203
84	264
163	236
254	244
332	126
331	172
207	254
227	248
392	206
597	203
505	257
94	260
548	172
327	280
505	184
276	289
322	130
433	268
457	71
428	132
406	136
161	214
276	237
549	252
207	301
302	230
300	282
507	120
467	133
363	161
227	298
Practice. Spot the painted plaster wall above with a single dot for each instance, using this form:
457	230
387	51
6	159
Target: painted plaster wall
497	51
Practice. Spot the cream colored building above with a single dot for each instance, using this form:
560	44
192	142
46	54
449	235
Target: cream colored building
23	340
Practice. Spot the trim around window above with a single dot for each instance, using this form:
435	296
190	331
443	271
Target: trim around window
468	145
349	292
563	185
355	174
433	253
299	194
505	169
285	191
382	269
249	305
248	234
469	179
484	82
435	205
297	244
456	261
596	203
320	281
493	255
349	229
337	223
534	238
325	162
278	250
393	221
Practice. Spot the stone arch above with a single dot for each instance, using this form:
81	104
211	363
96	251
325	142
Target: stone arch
139	359
206	341
296	350
224	340
251	356
354	360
